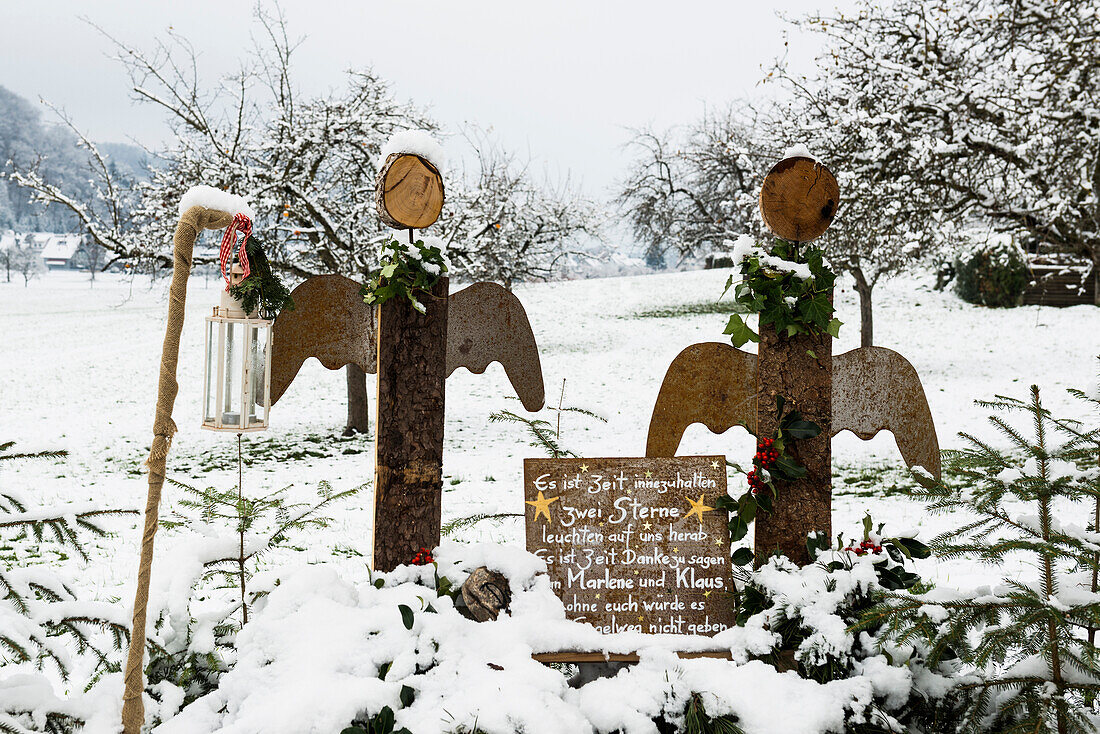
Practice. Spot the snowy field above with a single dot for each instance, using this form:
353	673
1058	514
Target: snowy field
79	363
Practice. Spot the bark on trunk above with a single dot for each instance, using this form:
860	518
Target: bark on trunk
866	318
408	485
1096	276
358	414
786	367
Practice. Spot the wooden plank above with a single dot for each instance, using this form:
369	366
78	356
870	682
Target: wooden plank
408	484
1058	285
619	657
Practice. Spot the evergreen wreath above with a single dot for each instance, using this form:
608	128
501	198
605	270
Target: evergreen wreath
262	290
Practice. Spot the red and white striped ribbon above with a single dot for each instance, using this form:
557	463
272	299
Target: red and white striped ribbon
244	224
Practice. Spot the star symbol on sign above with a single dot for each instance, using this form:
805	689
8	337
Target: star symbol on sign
718	541
706	593
648	525
542	506
714	465
648	474
584	467
697	508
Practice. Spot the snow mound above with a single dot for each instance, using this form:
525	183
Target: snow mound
415	142
798	150
325	650
212	198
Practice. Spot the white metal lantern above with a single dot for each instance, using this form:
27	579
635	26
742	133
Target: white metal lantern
237	377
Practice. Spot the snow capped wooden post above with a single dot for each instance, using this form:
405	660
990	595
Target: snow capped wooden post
864	391
797	201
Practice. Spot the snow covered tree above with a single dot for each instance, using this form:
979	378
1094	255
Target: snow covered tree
1030	641
106	204
993	104
502	224
308	164
24	260
689	191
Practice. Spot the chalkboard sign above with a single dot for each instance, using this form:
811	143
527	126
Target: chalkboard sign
634	545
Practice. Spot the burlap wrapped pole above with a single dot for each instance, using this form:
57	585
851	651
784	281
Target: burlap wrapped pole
191	223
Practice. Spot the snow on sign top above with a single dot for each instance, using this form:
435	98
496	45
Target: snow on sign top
212	198
415	142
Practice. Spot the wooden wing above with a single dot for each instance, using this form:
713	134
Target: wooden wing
876	389
329	322
487	323
709	383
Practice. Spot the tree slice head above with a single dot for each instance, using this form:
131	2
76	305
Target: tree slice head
799	199
408	192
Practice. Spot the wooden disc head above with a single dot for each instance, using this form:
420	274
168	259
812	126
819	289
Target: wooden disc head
408	192
799	199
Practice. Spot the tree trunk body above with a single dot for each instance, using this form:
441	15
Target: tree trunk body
408	485
866	317
1096	276
358	402
785	367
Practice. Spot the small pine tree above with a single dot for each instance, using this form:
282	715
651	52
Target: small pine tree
200	646
1030	642
41	620
546	435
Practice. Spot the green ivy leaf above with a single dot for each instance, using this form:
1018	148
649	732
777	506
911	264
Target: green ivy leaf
746	507
913	548
743	557
833	329
738	529
406	616
739	332
788	468
800	429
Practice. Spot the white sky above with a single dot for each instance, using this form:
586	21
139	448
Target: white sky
558	79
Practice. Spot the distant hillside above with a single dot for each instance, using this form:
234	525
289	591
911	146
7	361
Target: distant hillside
26	137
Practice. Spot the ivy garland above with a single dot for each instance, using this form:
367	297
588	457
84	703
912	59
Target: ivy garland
773	461
788	287
406	269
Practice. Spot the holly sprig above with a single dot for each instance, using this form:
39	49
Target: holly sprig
772	462
770	288
891	553
407	268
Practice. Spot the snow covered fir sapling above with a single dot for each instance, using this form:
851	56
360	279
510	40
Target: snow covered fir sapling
218	578
1026	647
49	636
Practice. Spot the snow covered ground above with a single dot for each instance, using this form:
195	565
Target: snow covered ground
78	370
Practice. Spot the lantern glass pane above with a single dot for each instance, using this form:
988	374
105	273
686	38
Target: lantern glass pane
257	355
234	368
210	381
